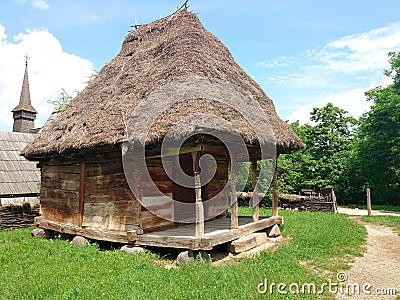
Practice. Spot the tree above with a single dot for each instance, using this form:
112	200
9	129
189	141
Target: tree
323	162
61	102
331	140
64	98
378	151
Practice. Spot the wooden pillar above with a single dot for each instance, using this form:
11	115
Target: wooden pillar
275	191
255	191
82	176
197	191
234	206
335	207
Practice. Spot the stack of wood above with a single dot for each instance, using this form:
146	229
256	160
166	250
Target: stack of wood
315	205
244	198
310	203
18	215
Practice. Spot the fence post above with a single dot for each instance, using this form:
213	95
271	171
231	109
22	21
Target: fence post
369	201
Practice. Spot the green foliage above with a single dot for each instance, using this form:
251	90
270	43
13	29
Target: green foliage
64	98
324	161
351	155
61	102
378	149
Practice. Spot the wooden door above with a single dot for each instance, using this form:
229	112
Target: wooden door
184	194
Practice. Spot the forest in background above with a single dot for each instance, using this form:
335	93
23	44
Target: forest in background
350	154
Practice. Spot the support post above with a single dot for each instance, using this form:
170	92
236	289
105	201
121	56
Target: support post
234	206
335	207
197	190
369	202
82	176
275	190
255	191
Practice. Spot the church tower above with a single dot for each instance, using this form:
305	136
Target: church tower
24	114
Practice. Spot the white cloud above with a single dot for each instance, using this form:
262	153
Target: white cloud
93	18
339	72
353	101
360	52
41	4
50	70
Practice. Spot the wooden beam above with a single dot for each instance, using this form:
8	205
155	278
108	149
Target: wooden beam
275	191
156	151
89	232
255	215
208	241
197	192
335	207
223	236
82	177
234	206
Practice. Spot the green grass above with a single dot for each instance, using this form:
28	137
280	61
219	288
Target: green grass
379	207
391	221
54	269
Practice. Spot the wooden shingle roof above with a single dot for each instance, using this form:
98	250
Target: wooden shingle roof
18	176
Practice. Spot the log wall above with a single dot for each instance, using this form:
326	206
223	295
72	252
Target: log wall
92	192
109	202
59	192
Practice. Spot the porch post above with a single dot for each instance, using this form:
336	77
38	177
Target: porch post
275	192
255	191
197	190
234	206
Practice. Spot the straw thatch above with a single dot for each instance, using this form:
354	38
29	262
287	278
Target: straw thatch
172	49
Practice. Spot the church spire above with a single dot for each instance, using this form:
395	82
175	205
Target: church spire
24	114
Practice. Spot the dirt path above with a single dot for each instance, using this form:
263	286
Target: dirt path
379	267
364	212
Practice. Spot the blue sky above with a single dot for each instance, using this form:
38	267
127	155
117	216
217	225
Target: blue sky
302	53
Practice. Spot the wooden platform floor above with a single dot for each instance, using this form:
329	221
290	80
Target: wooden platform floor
215	232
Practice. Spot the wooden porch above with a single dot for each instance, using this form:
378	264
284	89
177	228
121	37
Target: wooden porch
216	232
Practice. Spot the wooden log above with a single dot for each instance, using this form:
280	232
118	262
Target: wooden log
247	242
234	205
335	206
82	173
18	215
275	191
197	190
256	206
369	202
88	232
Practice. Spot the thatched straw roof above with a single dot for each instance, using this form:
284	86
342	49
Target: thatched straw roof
173	49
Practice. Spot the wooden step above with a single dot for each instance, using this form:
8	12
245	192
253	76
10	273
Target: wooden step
247	242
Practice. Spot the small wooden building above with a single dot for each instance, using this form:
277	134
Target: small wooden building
175	70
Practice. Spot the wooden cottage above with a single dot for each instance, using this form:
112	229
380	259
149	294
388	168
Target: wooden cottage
172	80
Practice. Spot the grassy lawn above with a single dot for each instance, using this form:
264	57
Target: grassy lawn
391	221
54	269
379	207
